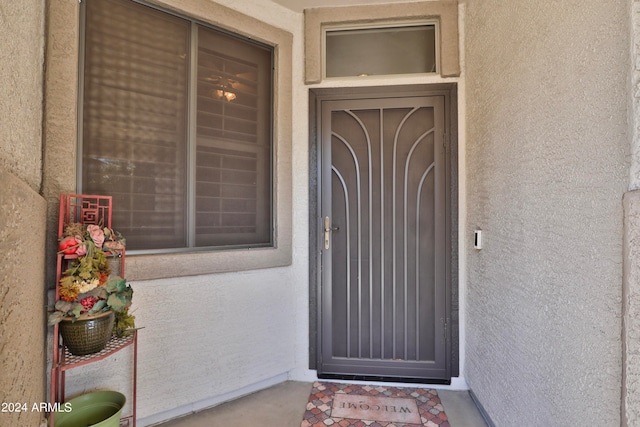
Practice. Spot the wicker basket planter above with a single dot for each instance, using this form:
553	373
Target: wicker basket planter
88	335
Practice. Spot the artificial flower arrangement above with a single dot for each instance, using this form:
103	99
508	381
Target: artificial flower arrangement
87	287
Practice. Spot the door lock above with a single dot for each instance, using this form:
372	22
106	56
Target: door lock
327	230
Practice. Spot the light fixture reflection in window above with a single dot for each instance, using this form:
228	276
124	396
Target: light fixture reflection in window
224	94
224	88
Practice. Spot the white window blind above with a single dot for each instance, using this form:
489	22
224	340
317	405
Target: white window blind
184	170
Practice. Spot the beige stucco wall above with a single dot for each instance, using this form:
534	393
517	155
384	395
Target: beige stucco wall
634	92
547	144
631	282
21	55
631	311
22	211
22	300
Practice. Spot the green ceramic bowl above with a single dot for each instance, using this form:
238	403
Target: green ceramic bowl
96	409
89	335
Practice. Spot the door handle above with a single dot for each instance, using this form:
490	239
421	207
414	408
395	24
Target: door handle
327	231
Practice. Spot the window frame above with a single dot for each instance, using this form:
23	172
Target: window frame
445	12
192	136
384	25
61	130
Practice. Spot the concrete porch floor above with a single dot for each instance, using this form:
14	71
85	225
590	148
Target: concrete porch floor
283	405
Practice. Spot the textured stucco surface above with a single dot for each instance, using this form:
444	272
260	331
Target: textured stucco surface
22	300
634	91
631	304
547	140
60	115
22	211
21	56
631	296
203	337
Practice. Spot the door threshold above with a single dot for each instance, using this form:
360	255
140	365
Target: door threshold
374	378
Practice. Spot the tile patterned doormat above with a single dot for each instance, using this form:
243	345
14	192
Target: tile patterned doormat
348	405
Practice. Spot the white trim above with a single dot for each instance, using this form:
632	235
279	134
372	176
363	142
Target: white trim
463	239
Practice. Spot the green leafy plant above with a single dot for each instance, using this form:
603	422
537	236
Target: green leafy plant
116	294
124	322
87	287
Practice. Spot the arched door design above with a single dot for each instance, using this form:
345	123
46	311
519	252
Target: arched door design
384	259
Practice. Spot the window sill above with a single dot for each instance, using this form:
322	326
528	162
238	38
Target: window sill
160	266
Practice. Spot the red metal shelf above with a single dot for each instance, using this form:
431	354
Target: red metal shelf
86	209
115	344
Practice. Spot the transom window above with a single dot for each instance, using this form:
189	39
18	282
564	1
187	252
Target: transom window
176	126
386	50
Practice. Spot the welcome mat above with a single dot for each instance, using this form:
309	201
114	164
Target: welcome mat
349	405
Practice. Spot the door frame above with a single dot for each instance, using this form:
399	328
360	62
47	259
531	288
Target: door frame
316	97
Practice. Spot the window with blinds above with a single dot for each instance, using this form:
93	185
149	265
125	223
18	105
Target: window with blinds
176	127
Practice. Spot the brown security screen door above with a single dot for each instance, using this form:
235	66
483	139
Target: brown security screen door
384	292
